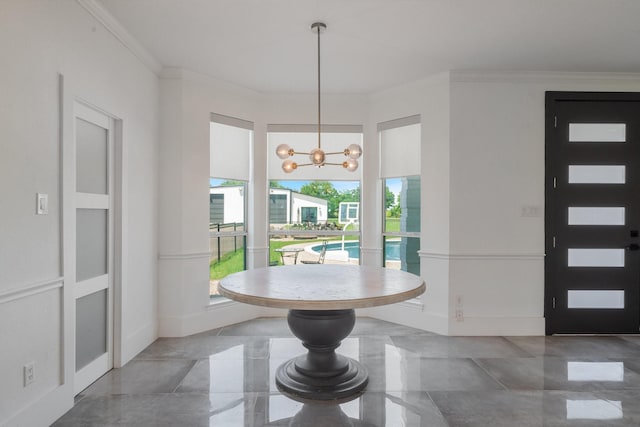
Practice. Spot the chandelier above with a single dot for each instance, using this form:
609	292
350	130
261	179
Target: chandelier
317	156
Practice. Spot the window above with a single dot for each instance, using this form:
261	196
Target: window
229	138
307	212
401	198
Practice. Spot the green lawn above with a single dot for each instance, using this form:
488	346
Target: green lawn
229	263
234	261
393	224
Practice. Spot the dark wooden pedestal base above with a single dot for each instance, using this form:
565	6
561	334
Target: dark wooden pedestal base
321	374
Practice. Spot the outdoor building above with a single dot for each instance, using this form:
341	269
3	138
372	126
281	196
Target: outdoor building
291	207
226	204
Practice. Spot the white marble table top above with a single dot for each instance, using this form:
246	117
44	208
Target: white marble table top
321	287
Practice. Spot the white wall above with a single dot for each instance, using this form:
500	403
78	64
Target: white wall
39	40
188	99
482	163
482	250
497	182
430	99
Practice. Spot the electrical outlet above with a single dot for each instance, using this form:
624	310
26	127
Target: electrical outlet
459	316
42	204
29	373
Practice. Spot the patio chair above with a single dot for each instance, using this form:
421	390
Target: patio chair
320	260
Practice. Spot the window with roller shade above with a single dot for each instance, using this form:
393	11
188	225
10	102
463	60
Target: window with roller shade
400	173
230	138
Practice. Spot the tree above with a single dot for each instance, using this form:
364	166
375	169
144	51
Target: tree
350	195
395	211
275	184
389	198
231	183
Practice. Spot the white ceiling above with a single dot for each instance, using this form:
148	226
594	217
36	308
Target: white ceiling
266	45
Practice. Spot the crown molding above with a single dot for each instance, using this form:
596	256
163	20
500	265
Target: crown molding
98	11
172	73
474	76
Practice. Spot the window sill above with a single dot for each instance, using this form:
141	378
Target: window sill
219	302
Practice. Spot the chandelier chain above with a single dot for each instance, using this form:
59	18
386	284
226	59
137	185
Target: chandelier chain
317	157
319	129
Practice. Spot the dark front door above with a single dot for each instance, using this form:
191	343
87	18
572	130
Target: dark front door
592	217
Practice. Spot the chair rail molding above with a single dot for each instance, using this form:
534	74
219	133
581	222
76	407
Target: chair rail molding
31	289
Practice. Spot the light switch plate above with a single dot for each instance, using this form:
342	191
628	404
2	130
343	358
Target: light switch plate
42	204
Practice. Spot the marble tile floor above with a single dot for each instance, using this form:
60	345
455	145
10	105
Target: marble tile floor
225	377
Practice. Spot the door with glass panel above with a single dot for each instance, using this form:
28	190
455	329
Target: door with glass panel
94	243
592	218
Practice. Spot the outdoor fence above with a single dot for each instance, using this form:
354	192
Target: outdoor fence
225	238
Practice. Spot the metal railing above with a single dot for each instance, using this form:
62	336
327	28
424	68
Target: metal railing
225	238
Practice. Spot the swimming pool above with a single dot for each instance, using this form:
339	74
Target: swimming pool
392	248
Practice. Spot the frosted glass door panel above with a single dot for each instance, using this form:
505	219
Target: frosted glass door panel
597	174
91	243
597	132
596	216
596	258
595	299
91	158
91	328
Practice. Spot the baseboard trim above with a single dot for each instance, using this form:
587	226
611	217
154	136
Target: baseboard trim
414	317
212	317
45	411
136	342
498	326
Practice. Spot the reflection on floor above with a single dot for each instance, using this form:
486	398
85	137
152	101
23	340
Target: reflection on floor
225	377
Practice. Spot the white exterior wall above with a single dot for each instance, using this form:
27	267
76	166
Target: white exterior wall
302	200
233	203
39	41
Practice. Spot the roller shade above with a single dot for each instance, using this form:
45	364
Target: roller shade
400	147
230	147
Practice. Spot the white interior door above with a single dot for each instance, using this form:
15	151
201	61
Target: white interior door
94	231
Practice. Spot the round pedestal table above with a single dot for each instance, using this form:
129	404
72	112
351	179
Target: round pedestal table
321	300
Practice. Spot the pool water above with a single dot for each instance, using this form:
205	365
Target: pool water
392	249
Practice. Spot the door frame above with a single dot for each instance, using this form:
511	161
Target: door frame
551	97
69	98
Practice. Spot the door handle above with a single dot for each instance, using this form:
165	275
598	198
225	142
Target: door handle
633	247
